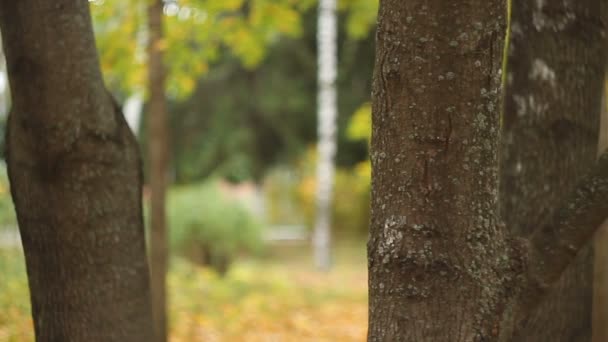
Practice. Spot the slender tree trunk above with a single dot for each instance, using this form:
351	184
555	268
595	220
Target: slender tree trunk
554	81
439	263
327	113
158	157
75	176
600	273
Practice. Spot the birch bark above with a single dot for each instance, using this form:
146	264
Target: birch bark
327	115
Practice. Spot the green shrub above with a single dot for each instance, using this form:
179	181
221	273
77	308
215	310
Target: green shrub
351	198
281	192
291	196
208	228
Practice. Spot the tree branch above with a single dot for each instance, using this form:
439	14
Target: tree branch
554	246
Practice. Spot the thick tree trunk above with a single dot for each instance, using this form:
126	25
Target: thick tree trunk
75	177
554	81
439	263
600	244
327	107
158	157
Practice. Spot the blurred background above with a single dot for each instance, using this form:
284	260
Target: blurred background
241	91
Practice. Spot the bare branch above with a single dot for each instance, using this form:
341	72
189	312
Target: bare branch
555	245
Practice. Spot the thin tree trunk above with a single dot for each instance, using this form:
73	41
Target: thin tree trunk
439	263
75	176
600	273
158	157
555	72
327	108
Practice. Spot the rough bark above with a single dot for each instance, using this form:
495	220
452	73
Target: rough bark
600	249
327	113
555	244
75	176
550	124
158	159
603	140
600	285
439	263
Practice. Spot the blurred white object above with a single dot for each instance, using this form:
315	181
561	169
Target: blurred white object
132	111
327	113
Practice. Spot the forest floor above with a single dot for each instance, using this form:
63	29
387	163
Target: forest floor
277	298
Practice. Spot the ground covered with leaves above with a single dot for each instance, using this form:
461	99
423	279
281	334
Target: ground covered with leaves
277	298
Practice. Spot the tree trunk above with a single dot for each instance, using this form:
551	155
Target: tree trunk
603	135
75	176
550	124
600	257
158	157
327	107
439	263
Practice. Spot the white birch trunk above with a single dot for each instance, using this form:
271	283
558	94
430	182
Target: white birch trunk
327	113
4	89
4	92
132	110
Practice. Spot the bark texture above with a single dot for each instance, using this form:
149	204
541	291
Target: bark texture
555	244
600	285
600	249
327	116
550	124
158	158
440	266
75	176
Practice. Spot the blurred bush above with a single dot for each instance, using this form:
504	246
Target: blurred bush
351	201
15	313
360	124
208	228
350	210
297	185
281	192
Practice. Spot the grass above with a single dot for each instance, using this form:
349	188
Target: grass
277	298
15	319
